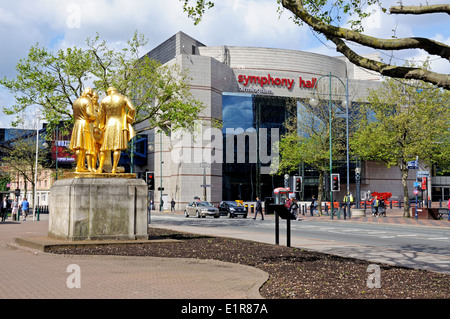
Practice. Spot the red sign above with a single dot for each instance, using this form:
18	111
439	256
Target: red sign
269	80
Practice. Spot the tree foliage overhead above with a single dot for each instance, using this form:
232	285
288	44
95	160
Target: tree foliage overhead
402	120
52	81
326	16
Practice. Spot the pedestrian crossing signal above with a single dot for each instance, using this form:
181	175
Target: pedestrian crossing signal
297	183
335	183
151	181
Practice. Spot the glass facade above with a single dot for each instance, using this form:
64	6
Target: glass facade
250	121
251	124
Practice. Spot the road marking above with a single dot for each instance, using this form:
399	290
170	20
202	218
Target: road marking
438	238
407	235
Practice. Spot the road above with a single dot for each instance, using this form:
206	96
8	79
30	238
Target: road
410	246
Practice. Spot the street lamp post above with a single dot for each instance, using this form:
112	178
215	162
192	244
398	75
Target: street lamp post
35	170
314	102
358	180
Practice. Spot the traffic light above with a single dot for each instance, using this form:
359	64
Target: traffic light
424	183
297	183
150	181
335	183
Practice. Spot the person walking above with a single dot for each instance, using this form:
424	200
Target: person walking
258	209
313	206
172	205
15	210
374	205
25	206
294	208
4	209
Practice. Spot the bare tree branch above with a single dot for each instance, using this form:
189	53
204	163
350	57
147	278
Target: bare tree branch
441	80
430	46
437	8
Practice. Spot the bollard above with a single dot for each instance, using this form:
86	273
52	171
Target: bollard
38	213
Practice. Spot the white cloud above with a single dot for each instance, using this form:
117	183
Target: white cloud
59	24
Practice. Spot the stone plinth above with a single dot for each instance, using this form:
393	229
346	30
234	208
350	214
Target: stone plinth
84	208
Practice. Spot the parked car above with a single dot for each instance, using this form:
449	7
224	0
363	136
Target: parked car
232	209
201	209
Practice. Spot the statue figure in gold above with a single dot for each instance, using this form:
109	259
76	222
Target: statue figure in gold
116	115
97	133
81	141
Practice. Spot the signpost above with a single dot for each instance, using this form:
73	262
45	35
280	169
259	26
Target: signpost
413	165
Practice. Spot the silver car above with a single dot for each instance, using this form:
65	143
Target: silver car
201	209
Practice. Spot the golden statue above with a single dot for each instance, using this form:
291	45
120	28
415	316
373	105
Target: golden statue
81	141
116	114
96	130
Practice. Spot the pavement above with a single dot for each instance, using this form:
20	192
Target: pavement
28	272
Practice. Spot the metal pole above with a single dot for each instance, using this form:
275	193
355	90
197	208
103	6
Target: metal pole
348	169
331	156
132	155
160	168
35	169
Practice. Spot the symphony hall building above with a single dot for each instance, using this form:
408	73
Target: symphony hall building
248	89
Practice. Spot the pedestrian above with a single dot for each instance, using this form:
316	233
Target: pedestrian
381	208
288	204
258	209
172	205
25	206
344	203
294	208
15	210
152	205
313	206
4	210
374	205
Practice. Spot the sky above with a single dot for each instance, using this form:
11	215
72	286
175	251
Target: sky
58	24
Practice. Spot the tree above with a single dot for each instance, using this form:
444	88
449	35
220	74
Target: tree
19	156
402	120
307	139
52	81
324	17
160	93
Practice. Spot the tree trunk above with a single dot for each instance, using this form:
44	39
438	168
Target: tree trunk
320	192
404	170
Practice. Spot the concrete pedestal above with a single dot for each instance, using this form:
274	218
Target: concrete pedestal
86	208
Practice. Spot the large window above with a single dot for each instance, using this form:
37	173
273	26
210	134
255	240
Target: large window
249	119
